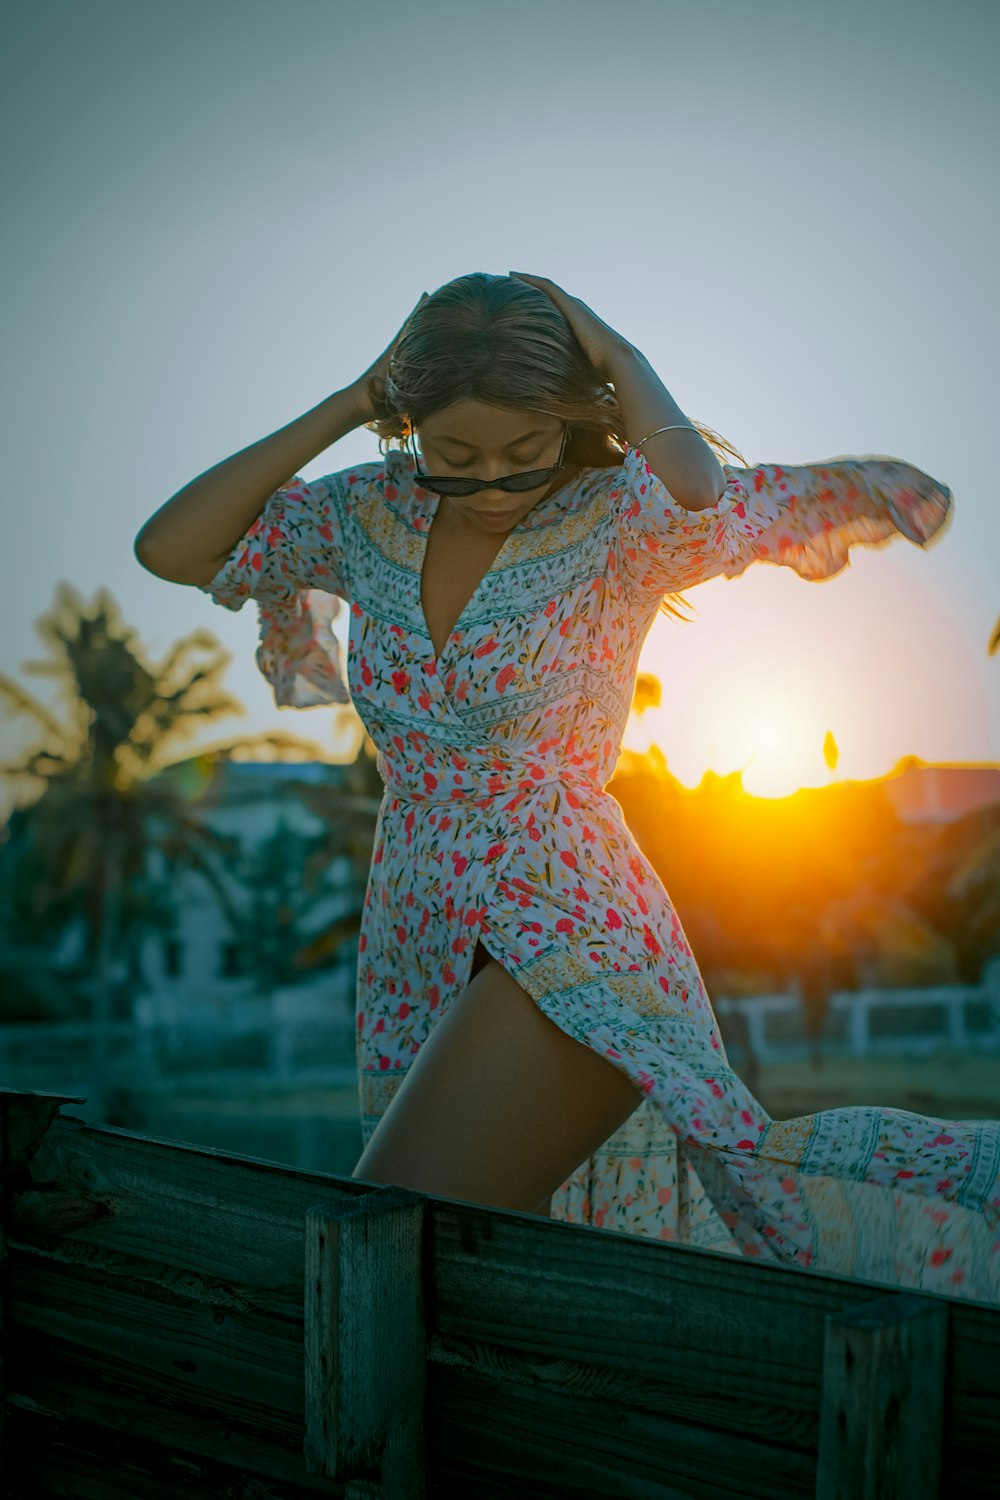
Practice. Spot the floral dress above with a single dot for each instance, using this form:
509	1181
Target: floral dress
495	827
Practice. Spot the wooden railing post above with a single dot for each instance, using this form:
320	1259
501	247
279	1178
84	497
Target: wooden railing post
365	1344
883	1400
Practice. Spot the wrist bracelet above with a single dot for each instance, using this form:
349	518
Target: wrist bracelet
677	427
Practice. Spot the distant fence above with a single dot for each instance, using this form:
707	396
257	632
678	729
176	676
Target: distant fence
311	1045
175	1320
198	1048
870	1022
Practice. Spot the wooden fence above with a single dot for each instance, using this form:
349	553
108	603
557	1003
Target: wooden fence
176	1320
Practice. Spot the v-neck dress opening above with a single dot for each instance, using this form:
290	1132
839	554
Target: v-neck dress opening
541	515
437	656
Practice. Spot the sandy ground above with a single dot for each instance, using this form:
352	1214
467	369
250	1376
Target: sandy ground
950	1085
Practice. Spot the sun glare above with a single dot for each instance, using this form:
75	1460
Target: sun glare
779	742
777	751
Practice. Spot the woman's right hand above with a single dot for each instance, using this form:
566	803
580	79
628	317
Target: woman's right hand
379	369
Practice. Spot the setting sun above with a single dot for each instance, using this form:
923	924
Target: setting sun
776	735
777	749
801	685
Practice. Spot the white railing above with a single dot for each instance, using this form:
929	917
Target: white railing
871	1023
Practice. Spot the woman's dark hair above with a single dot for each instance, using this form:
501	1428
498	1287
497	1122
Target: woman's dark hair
501	341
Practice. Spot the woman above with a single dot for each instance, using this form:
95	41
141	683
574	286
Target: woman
533	1029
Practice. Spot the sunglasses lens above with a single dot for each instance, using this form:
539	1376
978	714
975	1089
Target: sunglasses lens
516	482
453	487
528	481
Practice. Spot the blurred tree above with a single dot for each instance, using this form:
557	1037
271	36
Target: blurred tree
821	891
955	885
647	692
81	842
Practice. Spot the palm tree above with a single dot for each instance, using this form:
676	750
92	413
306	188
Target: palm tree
99	804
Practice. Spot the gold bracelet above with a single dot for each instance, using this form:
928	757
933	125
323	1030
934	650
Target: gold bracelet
677	427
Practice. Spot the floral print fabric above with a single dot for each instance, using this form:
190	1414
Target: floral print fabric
496	827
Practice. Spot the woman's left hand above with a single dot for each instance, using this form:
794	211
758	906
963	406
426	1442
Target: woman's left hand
601	344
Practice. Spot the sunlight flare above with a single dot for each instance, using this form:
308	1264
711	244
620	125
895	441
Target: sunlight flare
777	736
778	748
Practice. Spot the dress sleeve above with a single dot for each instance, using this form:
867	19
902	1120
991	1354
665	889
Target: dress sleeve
806	516
292	561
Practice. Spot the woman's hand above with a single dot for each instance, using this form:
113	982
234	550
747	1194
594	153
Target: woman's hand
379	369
601	344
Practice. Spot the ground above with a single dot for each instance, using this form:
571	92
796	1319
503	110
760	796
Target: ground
317	1129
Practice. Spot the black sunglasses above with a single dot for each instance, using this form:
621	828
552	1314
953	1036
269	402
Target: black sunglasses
447	484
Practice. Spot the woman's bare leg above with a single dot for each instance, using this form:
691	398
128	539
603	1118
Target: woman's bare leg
499	1106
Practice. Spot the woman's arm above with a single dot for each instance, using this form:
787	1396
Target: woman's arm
681	460
190	536
684	518
803	516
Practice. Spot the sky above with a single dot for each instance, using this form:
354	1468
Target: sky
219	213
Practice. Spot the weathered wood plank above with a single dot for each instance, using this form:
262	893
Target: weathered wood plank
670	1329
215	1357
116	1401
180	1311
972	1396
708	1324
25	1116
883	1401
365	1356
741	1410
203	1222
67	1460
486	1437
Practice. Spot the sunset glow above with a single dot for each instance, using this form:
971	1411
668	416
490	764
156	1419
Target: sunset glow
772	665
773	738
777	750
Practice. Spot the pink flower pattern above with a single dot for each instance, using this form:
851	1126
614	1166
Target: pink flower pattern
495	826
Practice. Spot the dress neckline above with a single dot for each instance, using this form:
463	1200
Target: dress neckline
433	506
544	513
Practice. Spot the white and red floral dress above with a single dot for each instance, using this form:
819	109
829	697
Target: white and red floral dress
495	826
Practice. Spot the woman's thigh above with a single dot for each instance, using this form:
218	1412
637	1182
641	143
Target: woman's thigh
499	1105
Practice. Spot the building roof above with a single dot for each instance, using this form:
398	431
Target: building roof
923	793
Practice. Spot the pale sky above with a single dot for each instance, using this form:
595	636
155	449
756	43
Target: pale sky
219	211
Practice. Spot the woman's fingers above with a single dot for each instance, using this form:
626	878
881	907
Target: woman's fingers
600	343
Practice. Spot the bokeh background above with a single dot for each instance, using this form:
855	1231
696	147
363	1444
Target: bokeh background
217	213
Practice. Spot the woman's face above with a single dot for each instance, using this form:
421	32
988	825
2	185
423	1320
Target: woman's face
473	440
